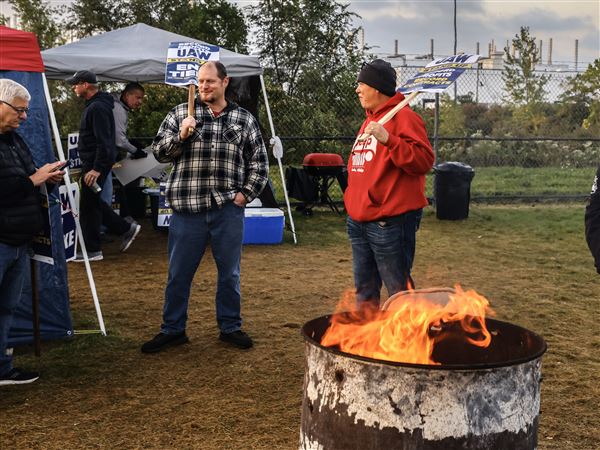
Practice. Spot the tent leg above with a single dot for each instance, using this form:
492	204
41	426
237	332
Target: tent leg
35	309
74	206
287	200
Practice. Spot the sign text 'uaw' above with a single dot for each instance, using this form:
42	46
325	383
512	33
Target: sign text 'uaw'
184	60
439	74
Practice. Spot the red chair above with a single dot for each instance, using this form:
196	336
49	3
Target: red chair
325	168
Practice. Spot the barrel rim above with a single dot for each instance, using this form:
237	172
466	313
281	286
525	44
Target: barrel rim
449	367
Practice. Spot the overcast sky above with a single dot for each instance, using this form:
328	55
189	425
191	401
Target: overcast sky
415	22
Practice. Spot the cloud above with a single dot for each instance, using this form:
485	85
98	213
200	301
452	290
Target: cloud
414	23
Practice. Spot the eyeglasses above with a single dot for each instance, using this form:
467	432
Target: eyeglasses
19	111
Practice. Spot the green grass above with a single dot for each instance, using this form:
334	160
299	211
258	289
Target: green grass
531	262
500	181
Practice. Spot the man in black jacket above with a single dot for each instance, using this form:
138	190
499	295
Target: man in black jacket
20	215
592	222
97	153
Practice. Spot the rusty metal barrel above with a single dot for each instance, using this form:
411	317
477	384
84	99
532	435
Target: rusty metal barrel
474	399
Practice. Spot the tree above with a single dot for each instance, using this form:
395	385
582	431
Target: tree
39	17
295	35
583	91
215	21
524	87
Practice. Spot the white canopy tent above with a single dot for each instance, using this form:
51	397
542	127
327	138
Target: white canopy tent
138	53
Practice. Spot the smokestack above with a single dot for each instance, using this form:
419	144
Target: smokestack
576	53
477	48
395	47
550	52
540	50
431	43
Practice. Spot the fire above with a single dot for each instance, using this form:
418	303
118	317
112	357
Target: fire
409	325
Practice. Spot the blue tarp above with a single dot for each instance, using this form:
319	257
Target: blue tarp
55	315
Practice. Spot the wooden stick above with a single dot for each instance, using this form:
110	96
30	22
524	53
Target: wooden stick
391	113
191	98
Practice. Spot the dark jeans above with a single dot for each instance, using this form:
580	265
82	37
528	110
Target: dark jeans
189	235
383	252
14	264
93	212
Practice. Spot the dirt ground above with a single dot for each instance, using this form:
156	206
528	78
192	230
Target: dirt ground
103	393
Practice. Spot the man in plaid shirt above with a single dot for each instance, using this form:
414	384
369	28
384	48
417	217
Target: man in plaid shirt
219	164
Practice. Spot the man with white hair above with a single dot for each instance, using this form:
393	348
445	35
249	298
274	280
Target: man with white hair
20	215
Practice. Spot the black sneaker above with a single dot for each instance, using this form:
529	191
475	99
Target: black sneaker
18	376
162	341
238	338
130	235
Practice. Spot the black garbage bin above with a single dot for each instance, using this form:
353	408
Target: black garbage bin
452	190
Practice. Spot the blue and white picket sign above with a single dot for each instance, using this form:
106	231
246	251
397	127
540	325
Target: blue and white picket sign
184	60
439	74
68	221
72	143
42	242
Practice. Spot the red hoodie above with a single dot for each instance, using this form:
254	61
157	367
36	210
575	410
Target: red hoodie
388	180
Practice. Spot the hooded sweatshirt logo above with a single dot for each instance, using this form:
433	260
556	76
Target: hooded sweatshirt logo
362	153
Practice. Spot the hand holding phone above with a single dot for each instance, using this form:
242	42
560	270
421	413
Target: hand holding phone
61	166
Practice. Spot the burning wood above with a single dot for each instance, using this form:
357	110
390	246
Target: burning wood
410	325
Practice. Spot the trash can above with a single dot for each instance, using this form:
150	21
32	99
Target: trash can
452	190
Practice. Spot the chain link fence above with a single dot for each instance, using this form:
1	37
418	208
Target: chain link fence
541	151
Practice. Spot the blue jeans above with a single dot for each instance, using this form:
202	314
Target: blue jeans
13	268
383	252
189	234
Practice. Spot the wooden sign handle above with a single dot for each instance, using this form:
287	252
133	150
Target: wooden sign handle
191	98
391	113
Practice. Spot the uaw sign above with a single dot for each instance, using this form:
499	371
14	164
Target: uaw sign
439	74
184	60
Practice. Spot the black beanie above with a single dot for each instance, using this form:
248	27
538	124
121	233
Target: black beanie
380	75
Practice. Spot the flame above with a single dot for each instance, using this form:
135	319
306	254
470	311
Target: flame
409	325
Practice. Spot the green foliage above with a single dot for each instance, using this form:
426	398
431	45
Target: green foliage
523	85
452	117
158	100
310	48
583	92
521	153
37	17
215	21
296	35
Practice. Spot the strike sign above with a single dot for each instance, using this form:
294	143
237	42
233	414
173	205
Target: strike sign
184	60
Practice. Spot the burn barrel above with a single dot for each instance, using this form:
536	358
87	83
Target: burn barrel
475	399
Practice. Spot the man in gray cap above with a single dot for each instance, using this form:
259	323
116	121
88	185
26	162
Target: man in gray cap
386	187
97	153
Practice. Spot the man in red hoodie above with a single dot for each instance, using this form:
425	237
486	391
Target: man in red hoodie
386	187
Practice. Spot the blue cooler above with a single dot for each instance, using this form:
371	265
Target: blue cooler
263	226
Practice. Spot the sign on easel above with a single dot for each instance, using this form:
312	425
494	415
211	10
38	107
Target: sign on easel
68	220
42	242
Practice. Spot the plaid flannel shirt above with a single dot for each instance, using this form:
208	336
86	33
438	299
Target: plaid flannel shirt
224	155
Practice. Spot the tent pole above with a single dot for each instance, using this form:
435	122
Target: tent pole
287	200
74	206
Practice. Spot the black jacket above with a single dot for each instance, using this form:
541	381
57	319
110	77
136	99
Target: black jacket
20	209
97	134
592	222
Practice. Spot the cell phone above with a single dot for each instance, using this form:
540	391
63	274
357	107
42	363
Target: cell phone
61	167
